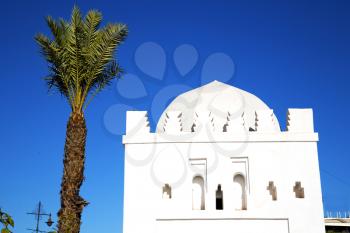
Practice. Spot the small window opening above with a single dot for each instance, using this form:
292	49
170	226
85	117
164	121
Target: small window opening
166	191
273	190
299	190
219	198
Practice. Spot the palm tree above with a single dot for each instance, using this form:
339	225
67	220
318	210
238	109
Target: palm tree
81	63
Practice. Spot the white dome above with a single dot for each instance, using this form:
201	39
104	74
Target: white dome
219	99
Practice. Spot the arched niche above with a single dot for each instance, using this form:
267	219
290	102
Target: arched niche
198	197
239	192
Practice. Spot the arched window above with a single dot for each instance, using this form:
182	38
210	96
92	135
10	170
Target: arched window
219	198
198	198
240	196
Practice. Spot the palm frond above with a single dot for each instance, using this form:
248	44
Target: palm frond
91	24
81	55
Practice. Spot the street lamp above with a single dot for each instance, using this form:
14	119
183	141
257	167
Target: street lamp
38	213
49	221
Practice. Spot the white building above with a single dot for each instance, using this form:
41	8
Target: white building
218	162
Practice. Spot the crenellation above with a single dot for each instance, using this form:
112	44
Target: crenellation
173	122
234	124
300	120
264	121
137	122
203	119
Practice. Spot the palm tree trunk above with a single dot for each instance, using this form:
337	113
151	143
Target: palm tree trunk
73	175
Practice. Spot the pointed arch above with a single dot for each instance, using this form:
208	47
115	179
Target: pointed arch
198	196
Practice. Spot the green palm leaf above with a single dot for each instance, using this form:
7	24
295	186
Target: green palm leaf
81	56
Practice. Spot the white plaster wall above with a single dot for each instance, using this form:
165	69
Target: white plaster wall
284	163
224	226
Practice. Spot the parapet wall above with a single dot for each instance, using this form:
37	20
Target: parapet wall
300	127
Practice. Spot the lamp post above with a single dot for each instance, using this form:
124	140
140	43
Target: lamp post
38	213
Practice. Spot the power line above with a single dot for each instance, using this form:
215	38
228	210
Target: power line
336	177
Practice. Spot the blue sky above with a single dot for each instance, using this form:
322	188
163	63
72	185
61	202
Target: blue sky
289	53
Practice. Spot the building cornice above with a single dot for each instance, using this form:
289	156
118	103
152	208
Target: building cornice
249	137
